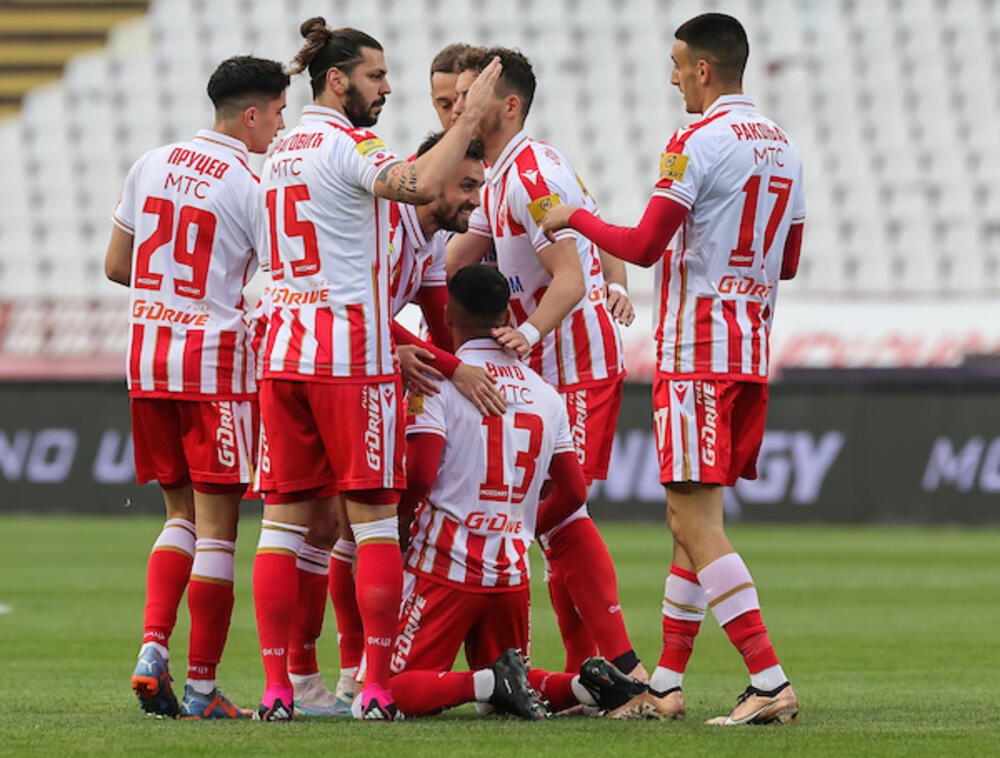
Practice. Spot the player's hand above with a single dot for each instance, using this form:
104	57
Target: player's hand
481	91
480	389
512	339
620	306
557	218
415	366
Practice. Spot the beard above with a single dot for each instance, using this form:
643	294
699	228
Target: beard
358	111
453	219
488	125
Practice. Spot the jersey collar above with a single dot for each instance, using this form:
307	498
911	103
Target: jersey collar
408	217
507	156
320	113
479	344
216	138
729	102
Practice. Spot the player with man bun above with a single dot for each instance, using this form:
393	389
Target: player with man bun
184	244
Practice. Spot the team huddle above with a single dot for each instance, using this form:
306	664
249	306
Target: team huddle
407	476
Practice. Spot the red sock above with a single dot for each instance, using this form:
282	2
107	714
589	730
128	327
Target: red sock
578	551
275	593
576	640
556	687
748	633
166	577
345	606
678	642
379	587
419	693
211	607
307	623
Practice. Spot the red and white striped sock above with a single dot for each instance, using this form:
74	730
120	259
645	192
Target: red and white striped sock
684	607
275	594
210	601
313	563
731	595
167	575
343	593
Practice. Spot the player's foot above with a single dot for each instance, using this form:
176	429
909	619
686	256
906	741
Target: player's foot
151	682
214	705
347	688
669	704
312	698
754	706
276	705
639	672
511	692
619	696
375	703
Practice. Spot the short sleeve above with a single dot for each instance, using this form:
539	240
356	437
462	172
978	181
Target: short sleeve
537	192
425	414
124	214
799	198
362	156
479	223
683	167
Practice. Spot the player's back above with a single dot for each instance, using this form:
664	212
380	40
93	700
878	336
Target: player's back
191	209
740	176
479	517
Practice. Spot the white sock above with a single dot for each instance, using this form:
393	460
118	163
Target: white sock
298	680
664	679
582	693
483	682
157	647
202	686
768	679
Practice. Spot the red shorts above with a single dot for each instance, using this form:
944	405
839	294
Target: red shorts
348	436
210	442
436	620
593	417
708	430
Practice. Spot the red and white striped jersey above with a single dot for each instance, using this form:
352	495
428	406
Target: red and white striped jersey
741	177
191	208
327	238
415	261
528	178
478	520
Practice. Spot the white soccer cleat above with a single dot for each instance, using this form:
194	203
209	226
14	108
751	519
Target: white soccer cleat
312	698
754	706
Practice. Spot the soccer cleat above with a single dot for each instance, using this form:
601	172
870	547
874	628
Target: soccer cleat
312	698
347	687
511	692
276	705
214	705
375	704
754	706
617	695
669	704
151	683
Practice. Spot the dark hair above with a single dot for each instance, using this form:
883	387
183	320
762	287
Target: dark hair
483	292
517	77
444	62
719	39
327	48
473	151
239	80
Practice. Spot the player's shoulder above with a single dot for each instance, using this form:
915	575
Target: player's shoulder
546	160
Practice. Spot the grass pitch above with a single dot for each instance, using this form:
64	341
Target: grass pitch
889	635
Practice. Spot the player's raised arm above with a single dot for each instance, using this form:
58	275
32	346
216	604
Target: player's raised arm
422	180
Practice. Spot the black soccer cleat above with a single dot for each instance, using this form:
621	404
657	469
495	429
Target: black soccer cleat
511	692
619	696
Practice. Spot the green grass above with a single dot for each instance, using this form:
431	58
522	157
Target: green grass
891	637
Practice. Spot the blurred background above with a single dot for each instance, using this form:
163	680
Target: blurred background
885	377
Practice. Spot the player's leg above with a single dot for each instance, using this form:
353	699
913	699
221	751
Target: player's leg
310	694
343	594
160	457
576	639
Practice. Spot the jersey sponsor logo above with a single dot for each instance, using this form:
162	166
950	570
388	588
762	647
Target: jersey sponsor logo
283	296
538	208
203	164
404	642
156	311
225	434
745	285
501	523
186	185
373	149
705	395
373	434
673	166
579	430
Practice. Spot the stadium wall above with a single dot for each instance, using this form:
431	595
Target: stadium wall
851	448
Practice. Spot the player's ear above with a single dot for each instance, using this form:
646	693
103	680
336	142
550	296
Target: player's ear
704	71
250	116
336	80
512	105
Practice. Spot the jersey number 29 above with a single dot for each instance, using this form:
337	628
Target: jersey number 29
197	256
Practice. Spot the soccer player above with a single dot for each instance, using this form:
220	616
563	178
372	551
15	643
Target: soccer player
330	394
724	225
184	244
563	328
443	78
476	481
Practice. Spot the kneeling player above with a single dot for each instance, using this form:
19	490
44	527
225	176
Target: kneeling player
467	560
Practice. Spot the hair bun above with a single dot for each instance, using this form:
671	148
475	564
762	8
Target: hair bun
315	25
